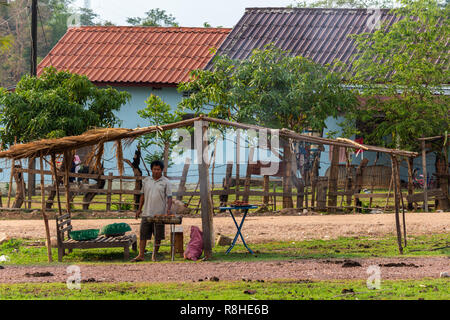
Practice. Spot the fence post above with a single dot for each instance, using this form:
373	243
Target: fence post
108	194
333	180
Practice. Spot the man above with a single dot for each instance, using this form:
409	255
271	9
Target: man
156	199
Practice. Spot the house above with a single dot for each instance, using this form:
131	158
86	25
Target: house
316	33
139	60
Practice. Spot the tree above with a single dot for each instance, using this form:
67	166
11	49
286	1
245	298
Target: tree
55	105
154	18
271	89
158	113
400	71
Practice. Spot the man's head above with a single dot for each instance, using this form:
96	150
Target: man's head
157	168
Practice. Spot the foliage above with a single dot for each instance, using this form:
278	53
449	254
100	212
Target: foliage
54	105
158	113
154	18
270	88
406	64
53	16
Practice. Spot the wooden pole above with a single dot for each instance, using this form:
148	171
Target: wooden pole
397	200
403	206
238	159
266	189
333	180
108	194
248	175
410	162
44	215
205	195
13	165
390	188
182	185
424	169
55	175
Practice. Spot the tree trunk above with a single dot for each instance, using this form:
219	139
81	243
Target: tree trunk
20	188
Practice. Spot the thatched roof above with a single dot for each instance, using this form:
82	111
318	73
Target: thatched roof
98	136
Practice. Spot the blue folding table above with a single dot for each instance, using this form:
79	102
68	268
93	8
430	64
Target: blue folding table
239	227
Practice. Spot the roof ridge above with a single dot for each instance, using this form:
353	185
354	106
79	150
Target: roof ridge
316	9
153	28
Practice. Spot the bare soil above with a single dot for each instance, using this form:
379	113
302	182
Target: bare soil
257	229
295	270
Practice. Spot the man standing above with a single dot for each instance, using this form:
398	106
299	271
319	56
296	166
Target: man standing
156	199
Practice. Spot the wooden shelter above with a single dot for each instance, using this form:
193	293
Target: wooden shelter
65	146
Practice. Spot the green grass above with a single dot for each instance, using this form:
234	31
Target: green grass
428	289
355	247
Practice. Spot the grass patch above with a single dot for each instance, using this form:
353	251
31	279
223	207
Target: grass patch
428	289
20	253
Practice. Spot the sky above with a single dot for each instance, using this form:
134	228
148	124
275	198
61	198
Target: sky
188	13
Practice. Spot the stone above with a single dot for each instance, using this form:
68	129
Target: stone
53	242
4	237
179	207
289	211
223	241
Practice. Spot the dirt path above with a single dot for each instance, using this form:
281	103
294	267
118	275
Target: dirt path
296	270
259	229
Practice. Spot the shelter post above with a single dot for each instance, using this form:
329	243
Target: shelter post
397	202
205	193
44	215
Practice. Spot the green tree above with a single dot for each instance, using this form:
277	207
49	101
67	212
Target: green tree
55	105
158	113
400	71
270	88
154	18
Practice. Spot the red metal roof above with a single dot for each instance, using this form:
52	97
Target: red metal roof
134	55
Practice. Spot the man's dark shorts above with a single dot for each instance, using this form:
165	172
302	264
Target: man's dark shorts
149	228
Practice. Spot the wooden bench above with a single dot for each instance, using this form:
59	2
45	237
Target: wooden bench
64	224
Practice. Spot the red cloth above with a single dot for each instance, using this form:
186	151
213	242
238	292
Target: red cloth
195	247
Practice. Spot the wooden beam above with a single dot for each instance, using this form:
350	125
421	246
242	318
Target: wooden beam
205	194
424	170
44	214
396	197
333	180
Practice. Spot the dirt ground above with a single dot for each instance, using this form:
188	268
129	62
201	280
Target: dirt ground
256	229
259	229
295	270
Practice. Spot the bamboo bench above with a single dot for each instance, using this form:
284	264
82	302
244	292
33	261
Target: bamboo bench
64	224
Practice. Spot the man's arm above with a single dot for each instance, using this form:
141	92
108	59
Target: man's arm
169	205
141	204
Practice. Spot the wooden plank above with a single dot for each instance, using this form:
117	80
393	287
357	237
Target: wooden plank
67	215
370	195
420	197
66	229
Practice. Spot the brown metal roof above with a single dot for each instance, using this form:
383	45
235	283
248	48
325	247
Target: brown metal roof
319	34
130	55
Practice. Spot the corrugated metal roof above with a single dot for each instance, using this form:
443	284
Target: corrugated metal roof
130	55
319	34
